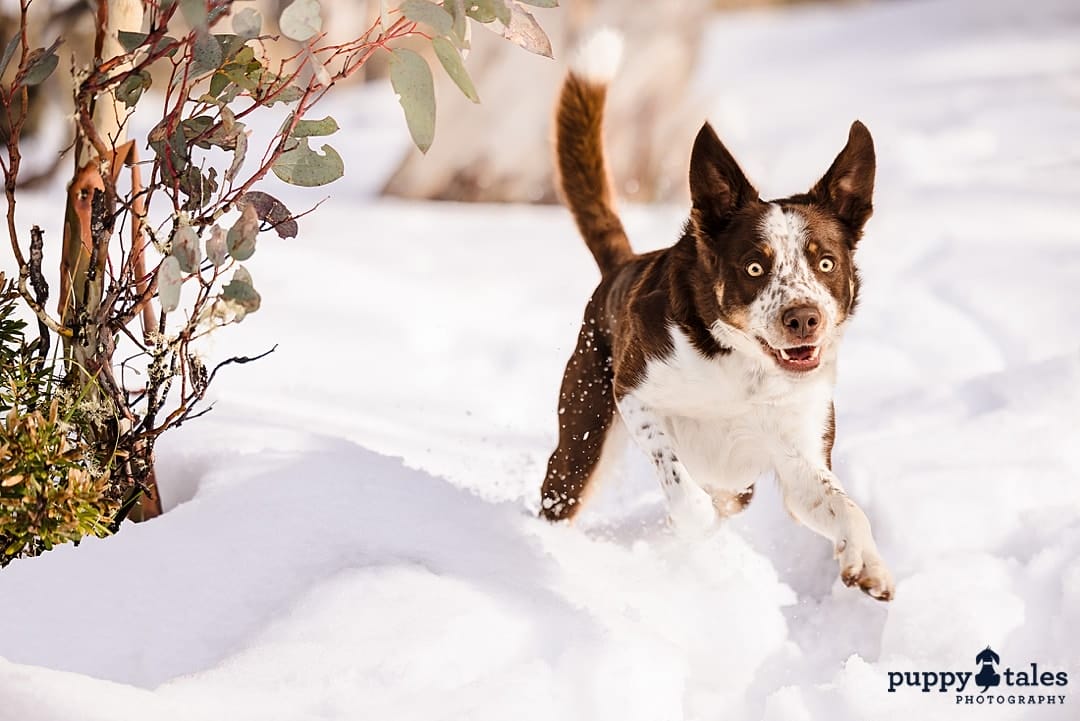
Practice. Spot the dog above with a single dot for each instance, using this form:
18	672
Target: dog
717	355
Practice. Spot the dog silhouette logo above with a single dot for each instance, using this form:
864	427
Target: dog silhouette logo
987	676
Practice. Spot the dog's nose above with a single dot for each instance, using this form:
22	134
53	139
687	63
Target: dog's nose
801	322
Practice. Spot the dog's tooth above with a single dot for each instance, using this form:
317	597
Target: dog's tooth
784	355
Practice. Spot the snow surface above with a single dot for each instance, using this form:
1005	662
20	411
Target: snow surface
351	531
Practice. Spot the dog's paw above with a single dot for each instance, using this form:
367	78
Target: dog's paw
692	512
863	567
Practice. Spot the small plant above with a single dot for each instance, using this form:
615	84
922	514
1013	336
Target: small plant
52	489
79	453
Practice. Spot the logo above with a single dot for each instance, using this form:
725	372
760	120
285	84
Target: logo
1027	685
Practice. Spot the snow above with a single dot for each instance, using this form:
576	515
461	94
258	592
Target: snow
350	533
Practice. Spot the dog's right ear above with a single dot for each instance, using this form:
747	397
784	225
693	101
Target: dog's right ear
718	185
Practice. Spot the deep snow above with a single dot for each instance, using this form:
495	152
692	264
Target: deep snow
301	575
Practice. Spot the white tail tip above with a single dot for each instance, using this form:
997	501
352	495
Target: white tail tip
597	58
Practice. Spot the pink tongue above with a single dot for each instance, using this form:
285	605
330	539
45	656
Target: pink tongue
801	353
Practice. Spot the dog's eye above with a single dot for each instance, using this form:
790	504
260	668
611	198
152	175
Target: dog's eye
826	265
755	270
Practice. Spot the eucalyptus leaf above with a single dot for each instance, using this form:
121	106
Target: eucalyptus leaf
301	20
129	40
215	246
301	165
40	65
311	128
239	154
423	11
541	3
486	11
241	291
273	211
206	53
240	241
412	81
194	11
169	280
247	23
185	247
523	30
451	61
9	51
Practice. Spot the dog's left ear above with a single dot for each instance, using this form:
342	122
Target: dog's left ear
848	186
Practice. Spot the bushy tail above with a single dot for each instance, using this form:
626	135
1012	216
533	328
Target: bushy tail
580	149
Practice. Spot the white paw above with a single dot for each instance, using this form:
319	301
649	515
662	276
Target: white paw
862	566
692	511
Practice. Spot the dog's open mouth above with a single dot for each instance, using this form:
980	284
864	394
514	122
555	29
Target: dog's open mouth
797	358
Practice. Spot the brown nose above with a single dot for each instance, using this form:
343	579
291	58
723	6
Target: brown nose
801	322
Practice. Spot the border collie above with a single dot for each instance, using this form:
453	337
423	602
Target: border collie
717	356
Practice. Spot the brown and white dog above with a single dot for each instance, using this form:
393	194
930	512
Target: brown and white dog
716	355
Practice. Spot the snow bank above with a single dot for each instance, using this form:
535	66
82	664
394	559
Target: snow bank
299	574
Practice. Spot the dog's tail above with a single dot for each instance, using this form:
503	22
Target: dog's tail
579	147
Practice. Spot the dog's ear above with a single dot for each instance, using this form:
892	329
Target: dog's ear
717	185
848	185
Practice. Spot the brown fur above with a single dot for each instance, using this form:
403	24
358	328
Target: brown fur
583	173
691	285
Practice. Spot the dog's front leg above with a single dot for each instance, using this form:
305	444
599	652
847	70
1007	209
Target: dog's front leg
691	508
814	496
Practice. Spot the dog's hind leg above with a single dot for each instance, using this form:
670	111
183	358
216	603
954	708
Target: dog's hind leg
591	436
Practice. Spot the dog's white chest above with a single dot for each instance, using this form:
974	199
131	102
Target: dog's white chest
729	416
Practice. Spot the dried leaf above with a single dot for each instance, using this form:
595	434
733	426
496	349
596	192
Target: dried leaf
523	30
241	238
215	246
273	211
185	247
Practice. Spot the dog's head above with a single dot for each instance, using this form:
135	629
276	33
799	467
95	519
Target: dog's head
779	276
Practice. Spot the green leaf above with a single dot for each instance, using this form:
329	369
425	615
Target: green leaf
313	128
411	78
194	11
129	40
541	3
460	33
206	53
9	51
301	20
241	291
451	61
247	23
131	89
40	65
423	11
169	281
486	11
241	238
300	165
